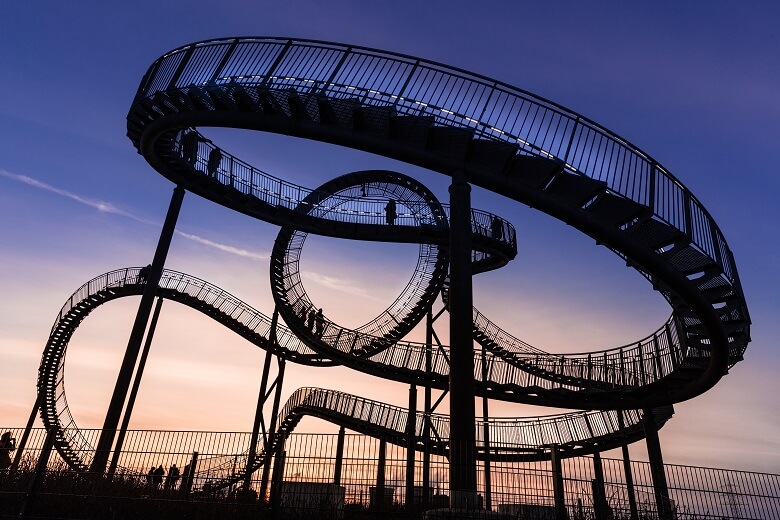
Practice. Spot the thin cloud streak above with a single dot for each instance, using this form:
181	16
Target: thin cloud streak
108	207
223	247
102	206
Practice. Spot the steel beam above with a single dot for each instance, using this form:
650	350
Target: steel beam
463	471
136	336
134	391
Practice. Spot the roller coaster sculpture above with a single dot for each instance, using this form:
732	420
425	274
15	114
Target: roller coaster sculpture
444	119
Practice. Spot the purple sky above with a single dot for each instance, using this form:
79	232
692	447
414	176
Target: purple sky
695	85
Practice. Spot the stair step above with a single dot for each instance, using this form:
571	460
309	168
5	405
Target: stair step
199	99
533	171
411	129
221	99
274	102
449	141
337	111
616	209
491	155
656	234
689	260
245	101
374	119
574	189
303	108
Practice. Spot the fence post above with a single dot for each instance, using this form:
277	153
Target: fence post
379	489
558	490
656	465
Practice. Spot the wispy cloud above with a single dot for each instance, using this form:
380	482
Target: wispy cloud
223	247
108	207
102	206
337	284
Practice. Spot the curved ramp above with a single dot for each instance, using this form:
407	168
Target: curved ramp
504	139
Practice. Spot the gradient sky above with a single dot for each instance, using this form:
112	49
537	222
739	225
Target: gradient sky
695	84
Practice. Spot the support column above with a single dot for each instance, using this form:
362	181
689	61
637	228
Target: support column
656	465
600	504
261	399
272	428
379	489
411	443
628	473
463	471
277	480
134	391
558	489
486	437
136	336
339	457
40	473
26	435
427	412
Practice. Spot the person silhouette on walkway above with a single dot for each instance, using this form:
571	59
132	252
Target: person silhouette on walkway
390	213
310	320
496	228
319	320
172	478
143	274
150	477
215	157
7	445
159	473
189	147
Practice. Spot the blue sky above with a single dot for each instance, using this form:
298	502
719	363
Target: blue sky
694	84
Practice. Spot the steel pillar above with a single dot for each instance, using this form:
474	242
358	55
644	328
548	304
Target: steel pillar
119	396
187	478
411	442
463	470
339	457
656	465
40	471
629	476
277	480
558	489
486	437
426	463
261	400
272	428
26	435
379	489
134	391
600	504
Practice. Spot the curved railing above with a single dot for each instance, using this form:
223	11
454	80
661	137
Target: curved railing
454	97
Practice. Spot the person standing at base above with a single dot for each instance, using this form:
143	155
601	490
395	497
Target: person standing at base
7	445
159	473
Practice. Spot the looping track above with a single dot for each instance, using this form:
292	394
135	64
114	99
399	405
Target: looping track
444	119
